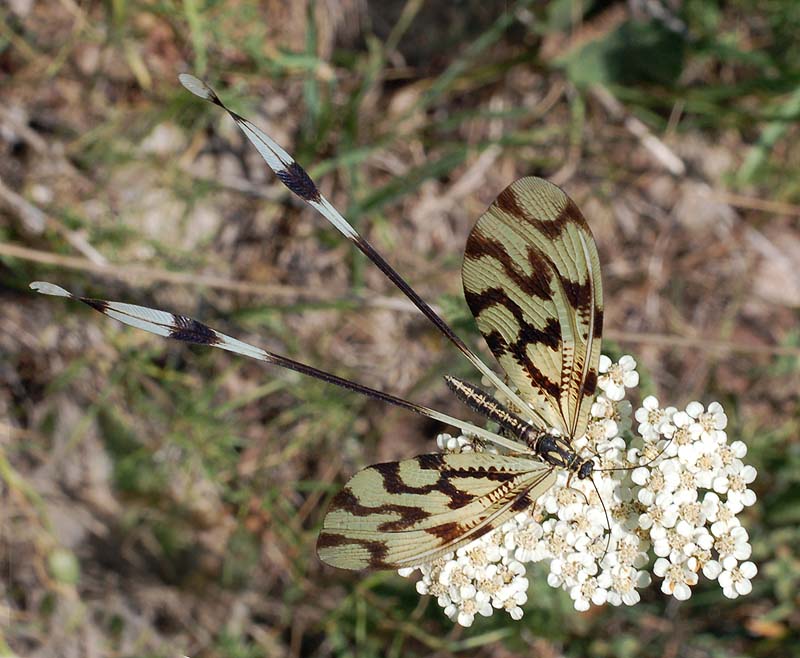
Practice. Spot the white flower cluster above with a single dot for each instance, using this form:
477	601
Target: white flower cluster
674	491
692	494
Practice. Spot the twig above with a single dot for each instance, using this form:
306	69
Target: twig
136	273
35	221
658	149
712	344
144	274
21	127
11	433
754	203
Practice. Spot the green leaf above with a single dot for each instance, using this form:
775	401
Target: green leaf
785	508
634	53
63	566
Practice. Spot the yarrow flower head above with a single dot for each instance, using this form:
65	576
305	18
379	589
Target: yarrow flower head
668	497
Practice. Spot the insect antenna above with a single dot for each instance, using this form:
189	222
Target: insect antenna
620	468
297	180
608	519
189	330
632	468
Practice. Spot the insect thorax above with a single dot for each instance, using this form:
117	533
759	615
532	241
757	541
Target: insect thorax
550	448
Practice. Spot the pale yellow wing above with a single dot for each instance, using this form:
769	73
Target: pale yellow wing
407	513
531	277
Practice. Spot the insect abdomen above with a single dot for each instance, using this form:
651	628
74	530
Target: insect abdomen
480	401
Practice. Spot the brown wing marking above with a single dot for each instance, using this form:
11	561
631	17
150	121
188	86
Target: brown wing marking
531	277
411	512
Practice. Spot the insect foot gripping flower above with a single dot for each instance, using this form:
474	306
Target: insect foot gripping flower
663	503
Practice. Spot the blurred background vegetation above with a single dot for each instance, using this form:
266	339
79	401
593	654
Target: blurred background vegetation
159	500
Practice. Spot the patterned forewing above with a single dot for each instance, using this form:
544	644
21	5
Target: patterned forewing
531	277
410	512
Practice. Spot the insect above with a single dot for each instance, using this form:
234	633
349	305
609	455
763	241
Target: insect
531	278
